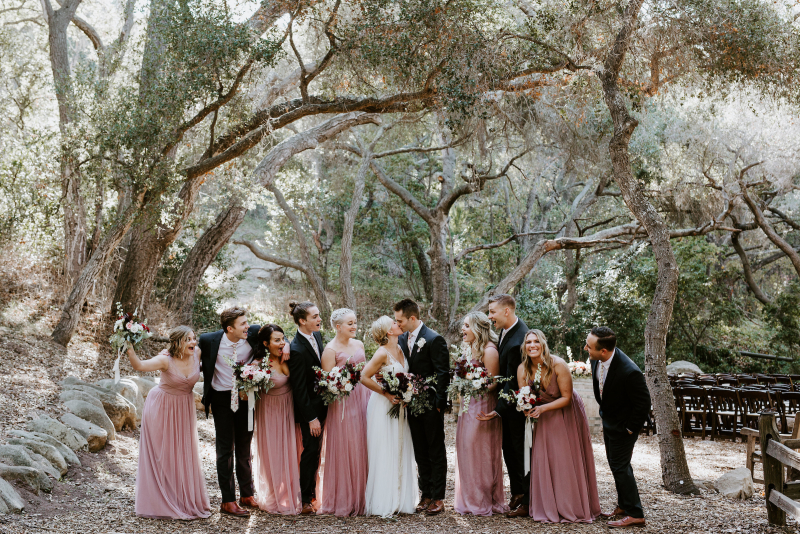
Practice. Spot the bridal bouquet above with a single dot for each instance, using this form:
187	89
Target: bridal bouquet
413	391
337	383
470	379
128	329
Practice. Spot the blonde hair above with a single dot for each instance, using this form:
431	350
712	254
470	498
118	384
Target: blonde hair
178	341
547	360
479	325
380	329
337	317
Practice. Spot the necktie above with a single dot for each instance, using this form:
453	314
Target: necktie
602	378
502	333
314	345
410	342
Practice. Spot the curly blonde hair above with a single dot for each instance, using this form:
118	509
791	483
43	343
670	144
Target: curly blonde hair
178	339
380	329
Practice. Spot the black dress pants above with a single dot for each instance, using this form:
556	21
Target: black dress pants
427	435
619	450
514	453
309	462
232	439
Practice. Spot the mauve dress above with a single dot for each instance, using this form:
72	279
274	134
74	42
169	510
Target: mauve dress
170	482
563	481
276	459
344	465
479	460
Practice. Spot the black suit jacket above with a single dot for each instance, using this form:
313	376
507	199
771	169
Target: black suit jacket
510	358
308	405
626	400
433	359
209	348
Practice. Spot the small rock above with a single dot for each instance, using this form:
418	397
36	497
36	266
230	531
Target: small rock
66	452
11	498
94	435
93	414
736	484
36	480
120	410
47	425
682	366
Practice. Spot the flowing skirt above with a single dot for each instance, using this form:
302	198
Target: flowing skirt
169	481
479	461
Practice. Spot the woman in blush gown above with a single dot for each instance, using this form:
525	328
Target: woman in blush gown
392	483
169	481
563	481
276	458
343	465
479	455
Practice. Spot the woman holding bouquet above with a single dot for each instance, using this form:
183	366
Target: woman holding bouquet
276	461
169	481
479	455
392	483
343	467
563	483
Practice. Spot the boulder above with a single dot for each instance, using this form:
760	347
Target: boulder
736	484
11	499
198	397
64	434
121	412
42	463
145	384
66	452
14	455
129	390
682	366
76	394
94	435
30	476
93	414
52	455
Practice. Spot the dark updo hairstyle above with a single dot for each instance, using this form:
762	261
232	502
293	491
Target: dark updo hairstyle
265	334
299	310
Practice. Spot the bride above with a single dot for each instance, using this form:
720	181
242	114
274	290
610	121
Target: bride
392	479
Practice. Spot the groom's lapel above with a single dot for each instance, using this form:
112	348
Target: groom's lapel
415	348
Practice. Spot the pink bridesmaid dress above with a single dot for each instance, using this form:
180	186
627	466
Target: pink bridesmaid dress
479	461
170	482
276	461
563	481
342	484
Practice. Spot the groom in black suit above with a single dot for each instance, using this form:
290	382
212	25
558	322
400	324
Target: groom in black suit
621	392
427	355
310	411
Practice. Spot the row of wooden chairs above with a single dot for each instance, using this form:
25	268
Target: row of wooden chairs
721	412
735	380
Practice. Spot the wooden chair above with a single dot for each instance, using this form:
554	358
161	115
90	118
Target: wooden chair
725	411
684	382
794	378
727	381
780	387
753	402
692	405
788	404
782	379
766	379
745	380
706	381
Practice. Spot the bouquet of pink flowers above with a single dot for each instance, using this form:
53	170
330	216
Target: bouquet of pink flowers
524	398
255	377
413	391
128	329
337	383
470	379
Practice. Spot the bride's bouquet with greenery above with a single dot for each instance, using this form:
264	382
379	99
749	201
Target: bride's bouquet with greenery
470	379
337	383
413	391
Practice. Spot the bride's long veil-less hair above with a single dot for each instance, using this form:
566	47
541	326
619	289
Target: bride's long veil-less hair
481	327
547	360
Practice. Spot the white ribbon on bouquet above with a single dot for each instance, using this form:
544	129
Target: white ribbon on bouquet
251	404
528	443
116	365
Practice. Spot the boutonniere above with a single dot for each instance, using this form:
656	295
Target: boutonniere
421	343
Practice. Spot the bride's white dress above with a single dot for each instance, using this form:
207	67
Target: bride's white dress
392	481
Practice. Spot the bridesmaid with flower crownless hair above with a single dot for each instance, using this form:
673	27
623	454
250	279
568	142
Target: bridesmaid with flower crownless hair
479	457
276	459
563	482
344	465
169	481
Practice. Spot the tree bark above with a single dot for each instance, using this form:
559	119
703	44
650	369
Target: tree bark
346	264
674	467
180	299
767	228
747	271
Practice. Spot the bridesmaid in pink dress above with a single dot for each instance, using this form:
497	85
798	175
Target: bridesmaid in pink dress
275	463
563	481
479	456
341	489
169	481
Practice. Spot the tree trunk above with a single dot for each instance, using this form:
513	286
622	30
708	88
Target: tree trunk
674	467
346	264
440	270
747	271
71	311
421	257
571	271
180	299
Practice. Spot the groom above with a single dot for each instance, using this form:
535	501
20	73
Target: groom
427	355
236	341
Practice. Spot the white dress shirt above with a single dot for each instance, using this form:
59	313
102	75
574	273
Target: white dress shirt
412	336
504	330
223	372
313	342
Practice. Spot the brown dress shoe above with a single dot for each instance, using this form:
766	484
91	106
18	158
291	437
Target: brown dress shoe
424	504
231	508
436	507
308	509
617	511
627	522
249	502
520	511
516	500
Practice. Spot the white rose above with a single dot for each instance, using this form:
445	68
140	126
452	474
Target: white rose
469	376
332	388
323	383
118	325
407	396
348	387
477	384
526	390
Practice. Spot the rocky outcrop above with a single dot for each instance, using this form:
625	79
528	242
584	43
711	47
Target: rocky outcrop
128	390
14	455
94	435
68	454
34	479
48	452
76	394
145	384
93	414
121	411
64	434
682	366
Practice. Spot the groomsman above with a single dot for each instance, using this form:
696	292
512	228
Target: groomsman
427	355
235	342
621	392
502	313
310	411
